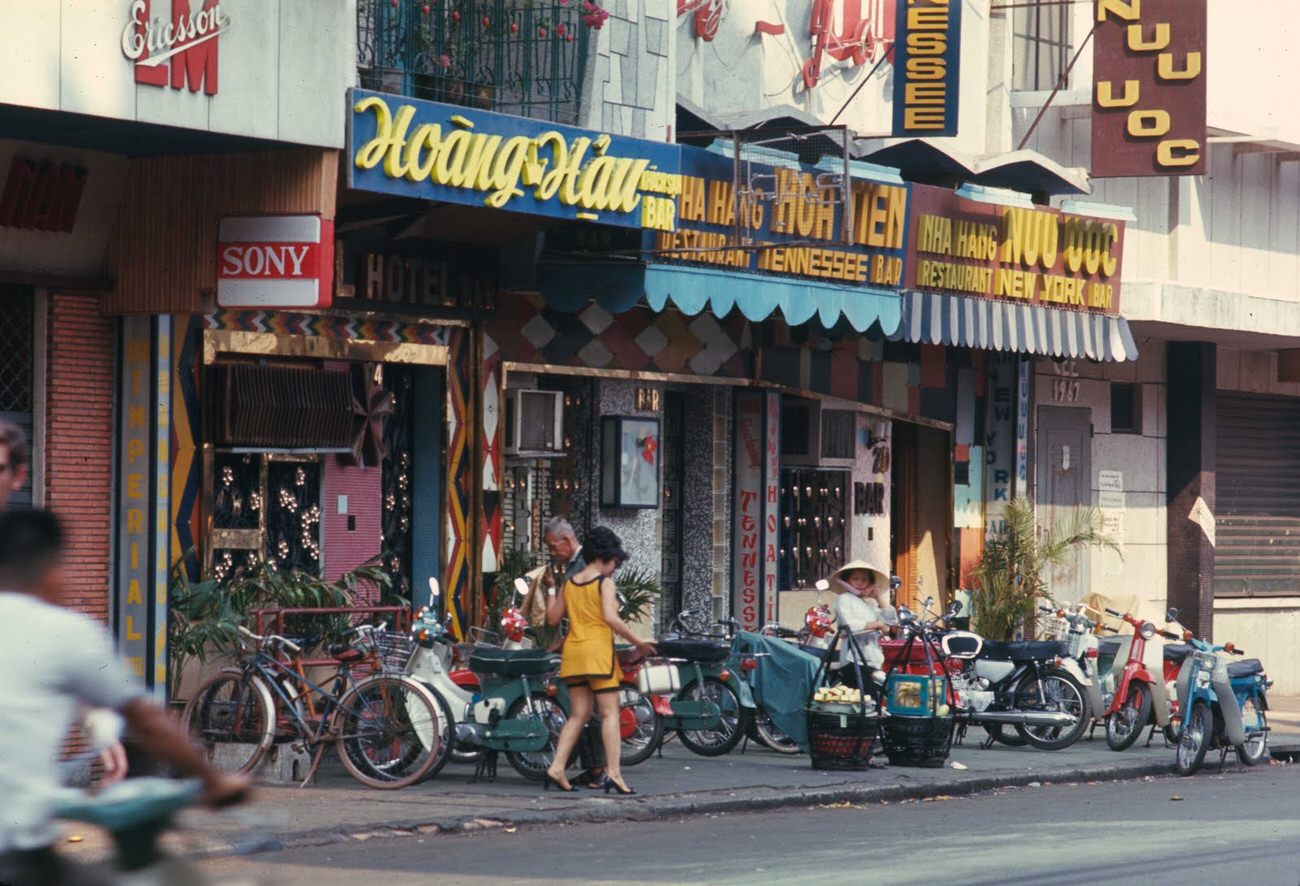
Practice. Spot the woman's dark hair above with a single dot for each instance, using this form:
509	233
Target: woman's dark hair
602	544
29	542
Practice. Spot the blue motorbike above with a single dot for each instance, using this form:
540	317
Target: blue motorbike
1223	704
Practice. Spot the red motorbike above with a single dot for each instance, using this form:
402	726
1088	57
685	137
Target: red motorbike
1139	698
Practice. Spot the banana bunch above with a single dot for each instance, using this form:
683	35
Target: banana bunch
838	695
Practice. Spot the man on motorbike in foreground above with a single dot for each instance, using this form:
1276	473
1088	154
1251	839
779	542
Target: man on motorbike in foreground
53	660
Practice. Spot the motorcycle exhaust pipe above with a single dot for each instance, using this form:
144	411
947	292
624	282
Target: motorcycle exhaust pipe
1227	700
469	734
1026	718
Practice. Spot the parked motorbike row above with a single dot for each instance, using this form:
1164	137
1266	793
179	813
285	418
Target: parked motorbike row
500	696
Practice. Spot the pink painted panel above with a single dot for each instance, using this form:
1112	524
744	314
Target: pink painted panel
347	545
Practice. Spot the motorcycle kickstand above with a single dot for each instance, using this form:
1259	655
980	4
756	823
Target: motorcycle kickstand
1150	736
1223	756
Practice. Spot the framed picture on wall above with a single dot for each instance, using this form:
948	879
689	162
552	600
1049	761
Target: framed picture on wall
629	462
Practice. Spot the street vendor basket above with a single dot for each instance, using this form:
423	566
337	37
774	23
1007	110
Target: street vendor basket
916	725
841	736
917	741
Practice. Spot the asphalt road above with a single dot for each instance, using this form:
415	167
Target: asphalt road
1239	827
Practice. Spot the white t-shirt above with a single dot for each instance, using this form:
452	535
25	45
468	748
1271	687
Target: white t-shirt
853	612
52	660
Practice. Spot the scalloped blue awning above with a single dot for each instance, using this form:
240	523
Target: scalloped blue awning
939	319
617	287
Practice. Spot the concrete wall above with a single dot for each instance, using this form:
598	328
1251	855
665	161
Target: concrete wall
629	83
1135	576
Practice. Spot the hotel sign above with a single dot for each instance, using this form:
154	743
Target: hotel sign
431	151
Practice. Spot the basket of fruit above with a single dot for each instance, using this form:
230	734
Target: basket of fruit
842	728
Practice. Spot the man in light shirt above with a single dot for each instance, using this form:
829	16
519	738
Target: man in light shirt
53	661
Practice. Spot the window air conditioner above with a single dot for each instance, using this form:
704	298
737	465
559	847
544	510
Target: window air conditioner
534	422
815	434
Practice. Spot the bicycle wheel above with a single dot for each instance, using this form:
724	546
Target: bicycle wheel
731	727
642	727
446	734
387	731
231	718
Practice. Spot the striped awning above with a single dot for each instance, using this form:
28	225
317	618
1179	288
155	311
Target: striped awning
617	287
939	319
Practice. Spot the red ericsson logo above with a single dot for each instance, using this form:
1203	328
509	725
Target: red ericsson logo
181	52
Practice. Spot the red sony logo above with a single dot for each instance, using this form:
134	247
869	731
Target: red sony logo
272	261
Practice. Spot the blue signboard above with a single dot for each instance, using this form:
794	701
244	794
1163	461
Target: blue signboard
790	225
927	67
431	151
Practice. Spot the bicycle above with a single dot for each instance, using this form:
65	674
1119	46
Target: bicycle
384	726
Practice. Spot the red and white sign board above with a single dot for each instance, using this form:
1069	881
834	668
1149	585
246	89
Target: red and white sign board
275	261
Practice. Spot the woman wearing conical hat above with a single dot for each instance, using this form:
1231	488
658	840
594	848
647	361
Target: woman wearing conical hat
863	607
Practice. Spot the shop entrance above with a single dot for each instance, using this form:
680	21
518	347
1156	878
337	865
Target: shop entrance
921	513
1064	484
17	369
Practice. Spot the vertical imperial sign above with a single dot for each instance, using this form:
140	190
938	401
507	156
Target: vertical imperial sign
1148	101
750	494
927	67
134	464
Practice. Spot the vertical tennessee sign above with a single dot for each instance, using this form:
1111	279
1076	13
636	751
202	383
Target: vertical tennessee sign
749	490
1148	99
927	67
771	502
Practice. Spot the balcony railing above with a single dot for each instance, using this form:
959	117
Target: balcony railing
522	57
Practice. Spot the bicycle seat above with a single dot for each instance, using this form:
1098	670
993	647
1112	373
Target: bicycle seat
1024	650
1245	668
513	662
692	649
1176	652
344	653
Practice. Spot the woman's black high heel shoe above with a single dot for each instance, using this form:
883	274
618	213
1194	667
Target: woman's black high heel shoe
549	781
611	785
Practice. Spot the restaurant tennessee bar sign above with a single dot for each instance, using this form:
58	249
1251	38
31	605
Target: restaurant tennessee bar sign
431	151
790	226
1034	256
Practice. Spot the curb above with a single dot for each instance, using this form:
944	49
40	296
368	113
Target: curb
598	810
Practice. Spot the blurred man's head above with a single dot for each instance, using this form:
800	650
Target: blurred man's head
560	539
31	553
13	461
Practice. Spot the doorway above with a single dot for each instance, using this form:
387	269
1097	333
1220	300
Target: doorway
1064	484
921	513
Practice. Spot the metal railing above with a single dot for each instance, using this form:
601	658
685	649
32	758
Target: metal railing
521	57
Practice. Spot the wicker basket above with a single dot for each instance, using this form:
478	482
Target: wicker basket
917	741
841	736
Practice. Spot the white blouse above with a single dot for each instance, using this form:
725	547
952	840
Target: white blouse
853	612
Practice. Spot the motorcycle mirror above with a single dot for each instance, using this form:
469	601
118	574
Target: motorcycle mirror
895	582
521	587
434	591
929	601
956	606
822	585
1172	614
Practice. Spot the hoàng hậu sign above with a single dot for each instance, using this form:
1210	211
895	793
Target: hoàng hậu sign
711	222
1036	255
927	67
1148	99
431	151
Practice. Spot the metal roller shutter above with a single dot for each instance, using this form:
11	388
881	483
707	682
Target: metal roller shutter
1257	524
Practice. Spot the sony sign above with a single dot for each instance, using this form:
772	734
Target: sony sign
181	51
284	261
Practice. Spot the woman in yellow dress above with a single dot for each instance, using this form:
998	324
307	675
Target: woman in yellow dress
588	665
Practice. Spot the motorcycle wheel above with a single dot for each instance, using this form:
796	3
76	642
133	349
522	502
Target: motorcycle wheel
1197	733
1125	725
532	765
648	728
446	734
1012	739
1062	693
772	737
1255	722
723	738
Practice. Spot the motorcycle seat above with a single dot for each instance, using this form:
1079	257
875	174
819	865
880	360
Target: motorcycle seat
1245	668
692	649
1024	650
1176	652
512	662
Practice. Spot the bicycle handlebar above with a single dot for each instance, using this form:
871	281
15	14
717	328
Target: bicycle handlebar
1110	611
274	639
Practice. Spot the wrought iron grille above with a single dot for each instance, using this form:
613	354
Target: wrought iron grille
16	332
397	476
522	57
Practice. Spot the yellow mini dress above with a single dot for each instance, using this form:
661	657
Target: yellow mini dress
588	658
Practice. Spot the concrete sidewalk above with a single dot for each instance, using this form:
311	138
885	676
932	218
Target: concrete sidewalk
678	783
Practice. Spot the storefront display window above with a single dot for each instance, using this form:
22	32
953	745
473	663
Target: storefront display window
812	537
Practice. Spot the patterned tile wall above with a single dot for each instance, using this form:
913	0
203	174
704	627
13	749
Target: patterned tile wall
631	82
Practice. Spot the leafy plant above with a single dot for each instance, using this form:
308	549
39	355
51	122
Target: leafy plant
1013	571
639	588
205	616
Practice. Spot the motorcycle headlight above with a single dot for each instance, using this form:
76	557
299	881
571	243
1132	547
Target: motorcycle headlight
1148	630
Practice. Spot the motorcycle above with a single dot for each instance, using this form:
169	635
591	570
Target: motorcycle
1031	685
1138	698
711	707
1223	705
1094	655
518	707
